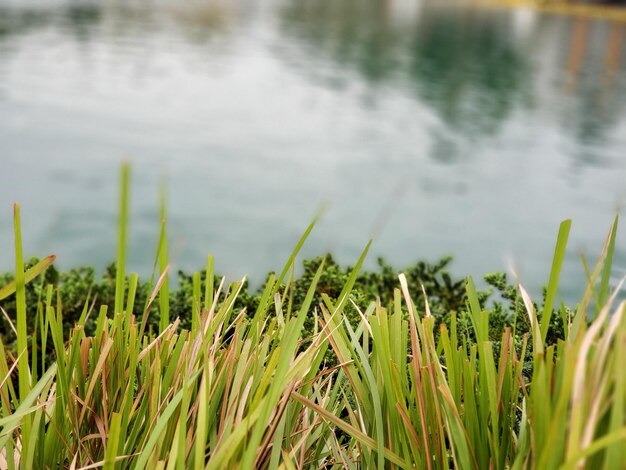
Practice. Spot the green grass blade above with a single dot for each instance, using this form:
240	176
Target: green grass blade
120	274
10	423
160	426
604	288
479	318
616	437
201	423
463	455
345	292
553	283
278	385
293	255
351	430
22	334
208	284
130	301
164	293
112	442
375	395
616	453
30	274
196	304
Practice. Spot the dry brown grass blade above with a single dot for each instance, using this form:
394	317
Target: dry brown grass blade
11	369
104	353
532	317
155	292
416	365
354	432
8	319
155	342
265	448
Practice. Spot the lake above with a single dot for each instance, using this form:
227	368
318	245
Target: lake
436	129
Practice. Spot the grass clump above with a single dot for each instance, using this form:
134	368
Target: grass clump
445	294
250	385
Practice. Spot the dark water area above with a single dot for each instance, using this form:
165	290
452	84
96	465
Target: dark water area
436	129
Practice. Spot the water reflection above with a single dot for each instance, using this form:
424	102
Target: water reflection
465	63
19	20
197	21
594	85
355	34
82	19
469	65
78	19
469	69
462	62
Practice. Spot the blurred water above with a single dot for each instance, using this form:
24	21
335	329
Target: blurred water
434	129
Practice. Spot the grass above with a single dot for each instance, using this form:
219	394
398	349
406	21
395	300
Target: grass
249	390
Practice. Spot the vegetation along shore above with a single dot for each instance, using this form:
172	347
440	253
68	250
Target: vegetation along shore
331	368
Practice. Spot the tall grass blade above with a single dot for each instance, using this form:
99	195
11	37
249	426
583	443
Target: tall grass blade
25	408
120	274
345	292
553	283
29	275
23	368
156	432
112	442
164	293
209	280
293	255
351	430
479	318
605	280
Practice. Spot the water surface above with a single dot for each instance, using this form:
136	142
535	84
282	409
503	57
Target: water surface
434	129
